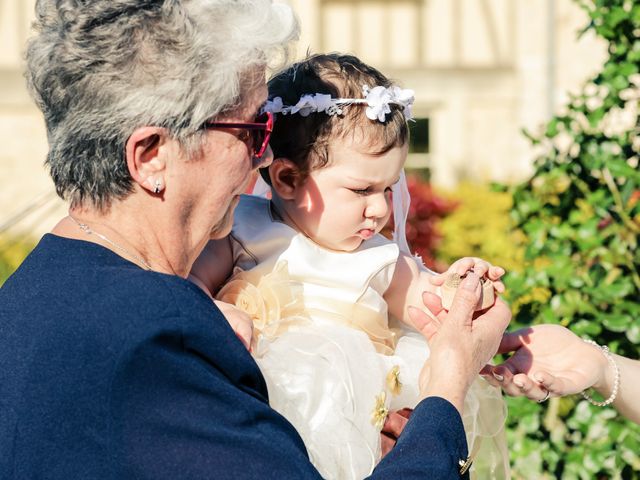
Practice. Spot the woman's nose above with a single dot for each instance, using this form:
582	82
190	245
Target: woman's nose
377	205
265	160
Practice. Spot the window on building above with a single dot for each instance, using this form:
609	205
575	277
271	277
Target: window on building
419	147
419	140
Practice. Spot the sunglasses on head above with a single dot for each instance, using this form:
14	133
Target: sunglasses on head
260	130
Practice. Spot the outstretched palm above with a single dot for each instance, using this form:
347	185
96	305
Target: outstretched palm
553	356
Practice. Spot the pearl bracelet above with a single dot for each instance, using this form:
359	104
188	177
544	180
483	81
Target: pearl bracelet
616	383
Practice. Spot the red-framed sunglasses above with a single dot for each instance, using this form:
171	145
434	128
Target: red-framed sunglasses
260	131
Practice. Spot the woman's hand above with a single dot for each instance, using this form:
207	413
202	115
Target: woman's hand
240	322
547	358
480	267
461	341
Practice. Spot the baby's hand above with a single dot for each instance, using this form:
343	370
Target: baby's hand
480	267
240	322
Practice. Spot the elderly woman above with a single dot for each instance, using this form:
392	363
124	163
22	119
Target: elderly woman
112	364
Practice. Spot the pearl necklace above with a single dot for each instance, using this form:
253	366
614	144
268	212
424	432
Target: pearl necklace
86	229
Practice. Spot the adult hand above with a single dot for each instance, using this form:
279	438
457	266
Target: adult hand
547	358
393	427
461	342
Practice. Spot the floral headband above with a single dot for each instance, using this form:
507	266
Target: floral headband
377	99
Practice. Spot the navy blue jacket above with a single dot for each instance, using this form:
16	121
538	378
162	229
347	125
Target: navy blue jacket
108	371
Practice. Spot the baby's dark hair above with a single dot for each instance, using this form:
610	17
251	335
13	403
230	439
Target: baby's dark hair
305	140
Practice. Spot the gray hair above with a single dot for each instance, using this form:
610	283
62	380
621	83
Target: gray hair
99	69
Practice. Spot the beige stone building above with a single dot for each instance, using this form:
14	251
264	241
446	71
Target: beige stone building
481	69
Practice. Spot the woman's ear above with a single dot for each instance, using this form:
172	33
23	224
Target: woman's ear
285	178
146	164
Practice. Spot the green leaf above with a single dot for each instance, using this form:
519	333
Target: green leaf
552	128
585	328
615	16
623	170
633	333
627	69
596	116
620	82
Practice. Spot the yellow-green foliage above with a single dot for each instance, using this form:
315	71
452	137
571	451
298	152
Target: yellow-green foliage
480	227
12	253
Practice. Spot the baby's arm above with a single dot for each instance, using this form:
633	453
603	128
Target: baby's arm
406	287
409	282
210	270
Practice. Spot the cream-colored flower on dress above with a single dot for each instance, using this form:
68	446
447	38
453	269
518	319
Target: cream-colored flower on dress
273	301
380	411
393	381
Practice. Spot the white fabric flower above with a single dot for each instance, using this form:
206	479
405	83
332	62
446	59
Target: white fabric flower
322	101
274	106
305	106
404	97
378	99
318	102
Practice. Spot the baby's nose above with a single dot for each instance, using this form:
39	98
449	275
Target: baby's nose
378	206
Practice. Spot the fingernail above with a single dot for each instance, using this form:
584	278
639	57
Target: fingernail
498	377
518	383
470	282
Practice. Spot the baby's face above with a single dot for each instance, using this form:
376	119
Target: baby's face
348	201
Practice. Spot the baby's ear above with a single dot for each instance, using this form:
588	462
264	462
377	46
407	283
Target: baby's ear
285	177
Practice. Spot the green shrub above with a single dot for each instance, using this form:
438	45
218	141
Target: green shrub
12	253
581	217
480	227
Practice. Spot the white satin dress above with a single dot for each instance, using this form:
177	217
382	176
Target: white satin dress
334	367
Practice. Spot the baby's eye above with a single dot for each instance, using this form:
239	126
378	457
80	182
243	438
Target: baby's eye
361	191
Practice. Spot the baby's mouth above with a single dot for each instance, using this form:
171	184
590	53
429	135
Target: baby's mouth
367	233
